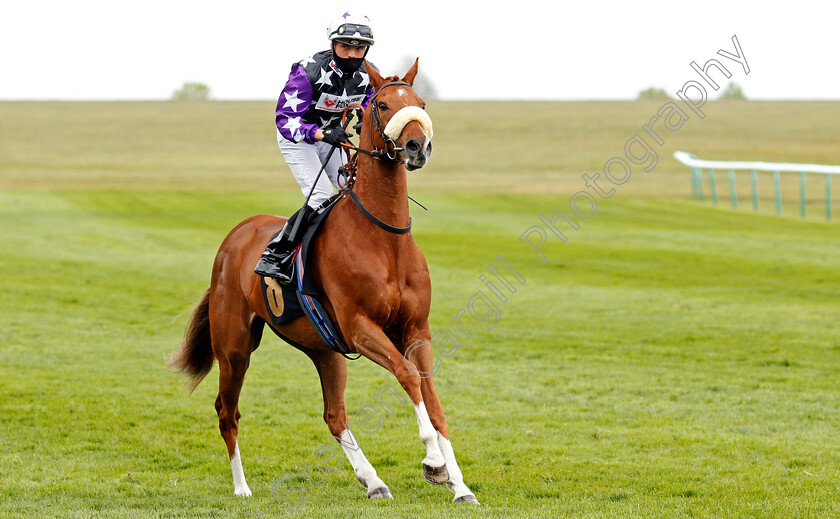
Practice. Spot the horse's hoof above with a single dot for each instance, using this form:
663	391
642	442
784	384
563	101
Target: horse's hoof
244	492
469	498
380	493
435	475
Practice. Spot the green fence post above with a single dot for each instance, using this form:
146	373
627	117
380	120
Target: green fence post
777	183
712	186
754	183
802	194
827	197
732	194
698	180
693	173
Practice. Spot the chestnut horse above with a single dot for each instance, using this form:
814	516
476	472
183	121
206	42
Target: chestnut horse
375	288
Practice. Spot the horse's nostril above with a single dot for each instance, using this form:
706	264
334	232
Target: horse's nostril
429	148
412	146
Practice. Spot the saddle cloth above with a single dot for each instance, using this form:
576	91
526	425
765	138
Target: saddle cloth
287	302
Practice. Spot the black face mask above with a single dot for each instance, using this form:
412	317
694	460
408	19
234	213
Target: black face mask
348	65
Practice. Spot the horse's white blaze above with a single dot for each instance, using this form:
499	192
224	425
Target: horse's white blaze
407	114
429	437
365	472
240	487
456	479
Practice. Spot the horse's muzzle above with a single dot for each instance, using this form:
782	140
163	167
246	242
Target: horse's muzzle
417	153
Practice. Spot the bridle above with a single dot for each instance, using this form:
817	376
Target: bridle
390	152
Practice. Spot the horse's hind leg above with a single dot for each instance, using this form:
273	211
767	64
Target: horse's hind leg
332	368
234	335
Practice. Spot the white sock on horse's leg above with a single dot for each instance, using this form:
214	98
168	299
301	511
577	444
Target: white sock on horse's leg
456	479
240	487
364	471
429	437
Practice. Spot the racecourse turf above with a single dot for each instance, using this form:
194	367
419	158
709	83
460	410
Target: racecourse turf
671	359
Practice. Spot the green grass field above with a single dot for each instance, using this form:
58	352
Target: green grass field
672	359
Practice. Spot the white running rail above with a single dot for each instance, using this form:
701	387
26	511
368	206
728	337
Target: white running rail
698	165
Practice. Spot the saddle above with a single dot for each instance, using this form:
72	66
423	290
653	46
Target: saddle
287	302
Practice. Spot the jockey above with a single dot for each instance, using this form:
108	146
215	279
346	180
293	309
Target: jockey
308	119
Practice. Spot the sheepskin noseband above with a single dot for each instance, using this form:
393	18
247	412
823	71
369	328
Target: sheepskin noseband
406	115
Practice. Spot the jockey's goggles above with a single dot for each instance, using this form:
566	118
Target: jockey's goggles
350	30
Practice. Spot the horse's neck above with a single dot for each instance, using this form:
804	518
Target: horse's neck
382	188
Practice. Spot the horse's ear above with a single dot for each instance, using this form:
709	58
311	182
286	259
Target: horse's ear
376	80
412	73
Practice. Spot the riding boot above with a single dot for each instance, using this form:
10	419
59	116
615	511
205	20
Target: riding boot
276	261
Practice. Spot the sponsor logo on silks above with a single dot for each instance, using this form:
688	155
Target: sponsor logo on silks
334	103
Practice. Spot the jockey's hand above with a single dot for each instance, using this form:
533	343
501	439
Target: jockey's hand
358	126
335	136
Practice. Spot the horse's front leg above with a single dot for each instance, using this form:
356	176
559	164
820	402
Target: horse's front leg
434	464
456	479
369	340
419	359
332	369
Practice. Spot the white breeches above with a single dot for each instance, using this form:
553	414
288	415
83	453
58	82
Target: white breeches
305	161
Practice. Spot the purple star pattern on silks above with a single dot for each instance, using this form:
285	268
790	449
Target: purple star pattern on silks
311	99
345	15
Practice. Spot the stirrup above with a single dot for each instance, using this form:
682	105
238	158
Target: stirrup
273	267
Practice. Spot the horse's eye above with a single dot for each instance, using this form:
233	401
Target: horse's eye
424	106
382	106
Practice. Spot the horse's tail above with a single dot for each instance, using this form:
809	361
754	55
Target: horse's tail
195	354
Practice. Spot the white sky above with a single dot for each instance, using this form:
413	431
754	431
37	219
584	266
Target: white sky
96	49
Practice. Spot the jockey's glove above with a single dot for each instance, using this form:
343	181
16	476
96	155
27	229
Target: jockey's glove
358	126
335	136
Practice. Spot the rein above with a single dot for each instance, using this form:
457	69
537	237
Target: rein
374	219
349	170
